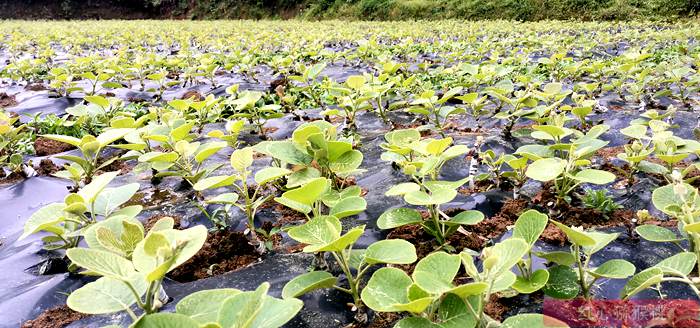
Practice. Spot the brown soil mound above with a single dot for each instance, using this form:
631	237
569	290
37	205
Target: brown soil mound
7	100
57	317
47	167
44	146
224	251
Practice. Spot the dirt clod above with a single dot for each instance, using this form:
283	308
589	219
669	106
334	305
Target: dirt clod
44	146
224	251
7	100
58	317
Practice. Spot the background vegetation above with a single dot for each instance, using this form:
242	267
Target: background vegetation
527	10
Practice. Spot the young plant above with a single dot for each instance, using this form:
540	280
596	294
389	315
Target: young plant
423	160
432	299
12	136
434	109
567	174
131	267
316	198
245	197
566	282
323	234
353	96
82	169
528	227
66	220
179	156
600	200
681	201
315	148
226	307
251	106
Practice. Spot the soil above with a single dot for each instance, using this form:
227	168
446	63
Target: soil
35	87
122	166
47	167
496	308
609	153
44	146
194	94
379	320
224	251
13	177
288	215
152	221
58	317
7	100
576	216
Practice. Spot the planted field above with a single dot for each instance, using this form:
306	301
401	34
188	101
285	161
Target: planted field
348	174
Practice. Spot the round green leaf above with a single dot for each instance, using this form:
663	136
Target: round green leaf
397	217
656	234
562	283
599	177
614	269
527	286
392	251
307	282
545	169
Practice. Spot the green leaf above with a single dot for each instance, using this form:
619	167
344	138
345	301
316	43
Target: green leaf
241	159
303	197
538	280
641	281
435	272
598	177
102	262
530	226
397	217
545	169
256	309
415	322
317	232
391	251
614	269
532	320
664	197
111	198
468	217
106	295
203	306
355	81
344	241
347	163
207	150
509	252
453	313
165	320
348	206
601	240
386	288
65	139
681	264
474	288
98	100
214	182
562	283
562	258
402	189
657	234
270	174
43	218
92	189
576	236
112	135
307	282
